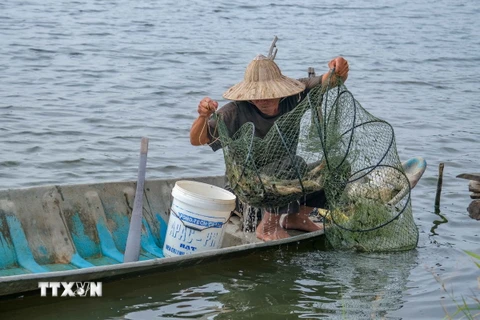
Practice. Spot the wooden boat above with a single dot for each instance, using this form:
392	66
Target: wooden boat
78	233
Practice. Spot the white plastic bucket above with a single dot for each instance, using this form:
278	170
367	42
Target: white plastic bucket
197	217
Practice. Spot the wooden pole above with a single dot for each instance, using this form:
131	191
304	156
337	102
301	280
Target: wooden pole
271	53
132	250
439	185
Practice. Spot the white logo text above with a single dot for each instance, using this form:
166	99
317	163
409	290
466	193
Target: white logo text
71	289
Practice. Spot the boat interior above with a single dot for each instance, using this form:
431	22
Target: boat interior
56	228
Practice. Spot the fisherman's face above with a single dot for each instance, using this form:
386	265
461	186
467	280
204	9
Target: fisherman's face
266	104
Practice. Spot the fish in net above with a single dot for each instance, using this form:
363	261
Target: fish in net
330	142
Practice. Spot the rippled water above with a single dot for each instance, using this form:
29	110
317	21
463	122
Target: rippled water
82	81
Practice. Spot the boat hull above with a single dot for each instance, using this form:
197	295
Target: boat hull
12	286
77	233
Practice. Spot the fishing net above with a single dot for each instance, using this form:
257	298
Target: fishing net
330	142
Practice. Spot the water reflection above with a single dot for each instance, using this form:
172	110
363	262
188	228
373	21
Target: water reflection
193	302
352	285
308	285
285	284
436	223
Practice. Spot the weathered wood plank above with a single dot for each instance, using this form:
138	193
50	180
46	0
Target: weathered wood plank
470	176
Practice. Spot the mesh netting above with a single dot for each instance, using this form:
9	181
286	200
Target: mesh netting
328	142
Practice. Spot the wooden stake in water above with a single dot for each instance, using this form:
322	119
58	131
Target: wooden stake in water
439	185
132	250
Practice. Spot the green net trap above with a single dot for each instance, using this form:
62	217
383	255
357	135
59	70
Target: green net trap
329	141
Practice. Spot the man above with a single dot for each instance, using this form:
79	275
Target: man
261	98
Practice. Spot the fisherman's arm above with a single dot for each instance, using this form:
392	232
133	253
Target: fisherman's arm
341	70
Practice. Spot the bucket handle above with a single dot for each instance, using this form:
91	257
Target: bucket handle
195	228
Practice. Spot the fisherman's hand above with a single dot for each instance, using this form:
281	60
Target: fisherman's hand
341	70
206	107
341	67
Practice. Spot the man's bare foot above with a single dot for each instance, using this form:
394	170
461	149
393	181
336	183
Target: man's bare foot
270	229
300	221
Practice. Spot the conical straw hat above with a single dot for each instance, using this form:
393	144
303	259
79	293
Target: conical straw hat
263	80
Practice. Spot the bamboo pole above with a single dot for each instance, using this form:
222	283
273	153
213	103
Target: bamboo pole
439	185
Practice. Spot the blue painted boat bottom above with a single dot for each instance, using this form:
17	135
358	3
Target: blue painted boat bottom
92	242
24	256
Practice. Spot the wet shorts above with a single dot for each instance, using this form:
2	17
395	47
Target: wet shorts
315	199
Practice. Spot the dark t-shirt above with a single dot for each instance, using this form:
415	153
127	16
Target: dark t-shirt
236	113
